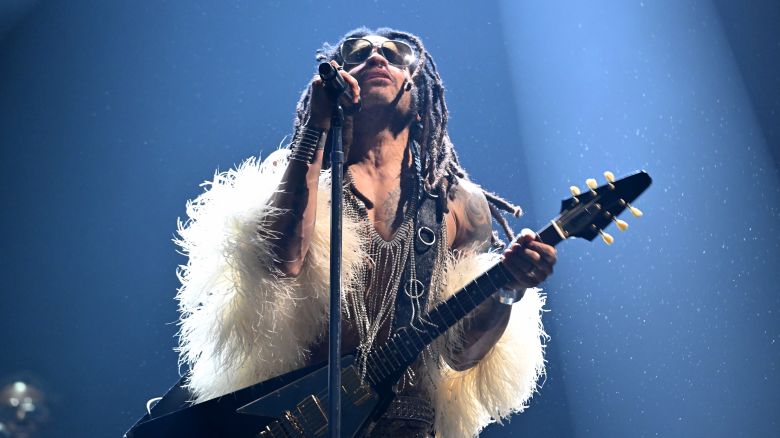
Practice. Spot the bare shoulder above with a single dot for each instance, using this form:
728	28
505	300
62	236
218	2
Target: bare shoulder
472	216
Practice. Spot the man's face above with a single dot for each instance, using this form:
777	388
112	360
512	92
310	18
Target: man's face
381	83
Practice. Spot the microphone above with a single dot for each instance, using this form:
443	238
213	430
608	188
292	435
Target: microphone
336	86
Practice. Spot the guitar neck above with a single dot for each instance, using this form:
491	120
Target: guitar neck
391	359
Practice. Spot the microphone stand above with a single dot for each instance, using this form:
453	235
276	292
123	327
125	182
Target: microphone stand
334	332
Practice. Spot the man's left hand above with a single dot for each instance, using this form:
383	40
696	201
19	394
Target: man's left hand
529	260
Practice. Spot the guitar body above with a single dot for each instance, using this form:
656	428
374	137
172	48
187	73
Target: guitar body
280	407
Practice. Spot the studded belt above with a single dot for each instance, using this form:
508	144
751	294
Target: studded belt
410	408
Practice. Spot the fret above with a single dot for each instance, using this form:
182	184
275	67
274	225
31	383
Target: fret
373	373
412	342
434	330
495	283
417	334
412	352
370	377
484	285
424	334
380	353
417	337
389	354
455	300
467	293
457	311
405	354
486	289
501	269
379	366
455	317
493	287
441	317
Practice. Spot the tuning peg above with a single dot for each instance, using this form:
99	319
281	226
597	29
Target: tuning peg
575	191
635	211
622	225
606	237
610	177
591	183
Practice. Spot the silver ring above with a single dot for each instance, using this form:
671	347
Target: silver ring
429	242
532	273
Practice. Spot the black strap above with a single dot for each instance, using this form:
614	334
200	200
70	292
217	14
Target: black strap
427	229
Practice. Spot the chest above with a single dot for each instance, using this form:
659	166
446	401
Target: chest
387	204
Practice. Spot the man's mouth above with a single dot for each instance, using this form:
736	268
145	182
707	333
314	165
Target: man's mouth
376	74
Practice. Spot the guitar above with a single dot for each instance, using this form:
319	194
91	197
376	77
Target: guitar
294	405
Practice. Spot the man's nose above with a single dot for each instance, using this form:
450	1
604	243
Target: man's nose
376	58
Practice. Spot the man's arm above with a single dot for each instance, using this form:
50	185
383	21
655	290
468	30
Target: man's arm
528	260
296	197
485	325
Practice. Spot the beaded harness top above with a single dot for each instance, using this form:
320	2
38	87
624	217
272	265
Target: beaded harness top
374	311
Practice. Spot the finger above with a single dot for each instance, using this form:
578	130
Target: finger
533	256
351	81
353	84
528	232
519	269
540	268
534	260
525	236
547	252
539	259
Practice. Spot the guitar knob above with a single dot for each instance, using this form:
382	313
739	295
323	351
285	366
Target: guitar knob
606	237
609	176
591	183
575	191
622	225
635	211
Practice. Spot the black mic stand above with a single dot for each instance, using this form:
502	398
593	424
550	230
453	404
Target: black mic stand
334	333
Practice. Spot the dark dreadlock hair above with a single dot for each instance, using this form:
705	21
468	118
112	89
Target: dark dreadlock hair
440	167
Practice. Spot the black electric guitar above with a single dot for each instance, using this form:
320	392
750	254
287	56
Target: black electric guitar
294	405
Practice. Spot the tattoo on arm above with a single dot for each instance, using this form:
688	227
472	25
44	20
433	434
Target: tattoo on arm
477	224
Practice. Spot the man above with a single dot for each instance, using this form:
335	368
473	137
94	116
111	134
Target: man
254	292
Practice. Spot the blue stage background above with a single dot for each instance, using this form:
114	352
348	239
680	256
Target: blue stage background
112	113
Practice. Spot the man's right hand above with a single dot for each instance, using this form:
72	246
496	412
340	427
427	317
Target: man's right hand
320	103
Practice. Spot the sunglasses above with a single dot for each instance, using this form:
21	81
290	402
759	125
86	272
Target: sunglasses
357	50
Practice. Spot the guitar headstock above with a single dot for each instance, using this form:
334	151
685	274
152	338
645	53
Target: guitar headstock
587	213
